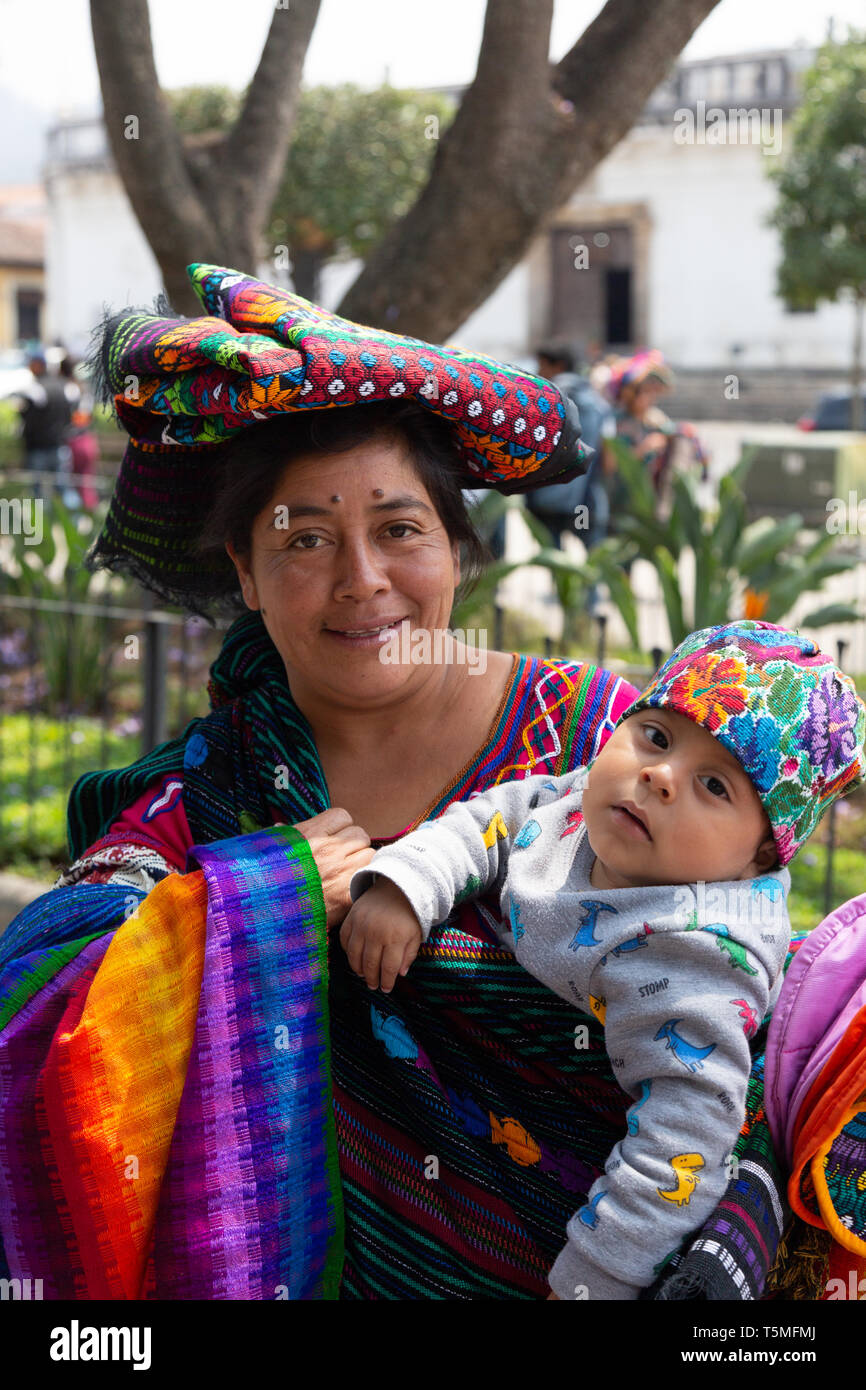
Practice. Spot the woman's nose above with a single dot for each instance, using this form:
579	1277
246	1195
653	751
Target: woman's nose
660	779
361	572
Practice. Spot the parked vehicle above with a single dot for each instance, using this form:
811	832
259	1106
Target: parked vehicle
833	412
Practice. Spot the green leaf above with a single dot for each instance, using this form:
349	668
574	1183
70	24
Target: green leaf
669	580
738	474
642	497
620	592
647	533
731	519
762	543
687	512
537	529
832	613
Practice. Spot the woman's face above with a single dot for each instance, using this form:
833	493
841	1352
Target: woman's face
349	547
645	397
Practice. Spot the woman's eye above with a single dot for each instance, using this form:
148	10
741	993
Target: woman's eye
403	528
716	787
308	541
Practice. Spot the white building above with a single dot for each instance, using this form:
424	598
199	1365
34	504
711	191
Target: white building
666	244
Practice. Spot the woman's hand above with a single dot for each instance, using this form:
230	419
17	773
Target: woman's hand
653	443
340	848
381	935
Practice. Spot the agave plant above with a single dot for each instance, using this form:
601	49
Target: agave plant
762	561
572	579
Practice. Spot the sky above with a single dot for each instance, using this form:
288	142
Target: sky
46	54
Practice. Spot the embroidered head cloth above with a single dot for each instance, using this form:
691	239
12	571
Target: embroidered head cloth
184	388
781	706
633	371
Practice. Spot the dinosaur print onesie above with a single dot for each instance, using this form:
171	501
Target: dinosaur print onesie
680	977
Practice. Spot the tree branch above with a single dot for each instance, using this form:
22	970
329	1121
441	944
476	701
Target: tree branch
256	149
515	152
152	166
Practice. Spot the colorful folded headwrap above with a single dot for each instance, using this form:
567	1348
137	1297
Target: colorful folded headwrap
632	371
781	706
184	388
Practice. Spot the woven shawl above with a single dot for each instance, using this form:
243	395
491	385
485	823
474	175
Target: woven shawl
471	1062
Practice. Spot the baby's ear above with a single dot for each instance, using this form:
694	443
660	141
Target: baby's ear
767	857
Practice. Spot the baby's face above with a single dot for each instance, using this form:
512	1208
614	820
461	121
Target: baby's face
665	802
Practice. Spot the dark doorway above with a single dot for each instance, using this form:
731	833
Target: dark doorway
618	306
28	305
591	300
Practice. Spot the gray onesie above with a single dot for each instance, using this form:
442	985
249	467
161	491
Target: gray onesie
680	976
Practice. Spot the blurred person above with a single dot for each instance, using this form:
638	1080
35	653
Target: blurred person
82	442
45	417
556	505
634	387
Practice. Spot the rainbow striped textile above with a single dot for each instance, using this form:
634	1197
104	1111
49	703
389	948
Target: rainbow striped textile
167	1124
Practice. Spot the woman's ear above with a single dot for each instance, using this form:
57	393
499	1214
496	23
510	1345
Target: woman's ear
248	584
455	555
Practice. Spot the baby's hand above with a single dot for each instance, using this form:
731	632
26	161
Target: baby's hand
381	935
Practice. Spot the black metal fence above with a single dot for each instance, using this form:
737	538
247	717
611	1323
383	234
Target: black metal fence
86	686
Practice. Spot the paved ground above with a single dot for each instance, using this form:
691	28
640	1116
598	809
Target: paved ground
16	892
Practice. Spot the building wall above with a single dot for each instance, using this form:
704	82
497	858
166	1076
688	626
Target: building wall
712	258
13	279
96	255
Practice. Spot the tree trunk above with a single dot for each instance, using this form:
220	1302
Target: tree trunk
857	420
306	272
203	205
525	137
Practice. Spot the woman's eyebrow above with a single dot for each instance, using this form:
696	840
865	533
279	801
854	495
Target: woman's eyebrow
399	504
395	504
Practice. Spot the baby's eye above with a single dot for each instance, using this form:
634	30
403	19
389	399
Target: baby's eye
650	729
715	786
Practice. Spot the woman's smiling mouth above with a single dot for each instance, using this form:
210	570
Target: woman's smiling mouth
367	634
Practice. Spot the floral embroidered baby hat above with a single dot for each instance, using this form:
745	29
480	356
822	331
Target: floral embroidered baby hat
781	706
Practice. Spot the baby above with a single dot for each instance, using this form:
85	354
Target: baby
716	775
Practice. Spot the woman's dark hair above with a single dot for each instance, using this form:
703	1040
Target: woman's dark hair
251	466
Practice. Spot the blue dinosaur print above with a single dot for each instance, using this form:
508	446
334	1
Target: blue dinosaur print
691	1057
589	1214
517	926
771	887
634	943
633	1122
393	1032
585	934
527	833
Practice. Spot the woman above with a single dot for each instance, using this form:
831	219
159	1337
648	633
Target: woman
635	386
207	1103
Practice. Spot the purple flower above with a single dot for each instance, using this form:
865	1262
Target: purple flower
11	649
829	732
